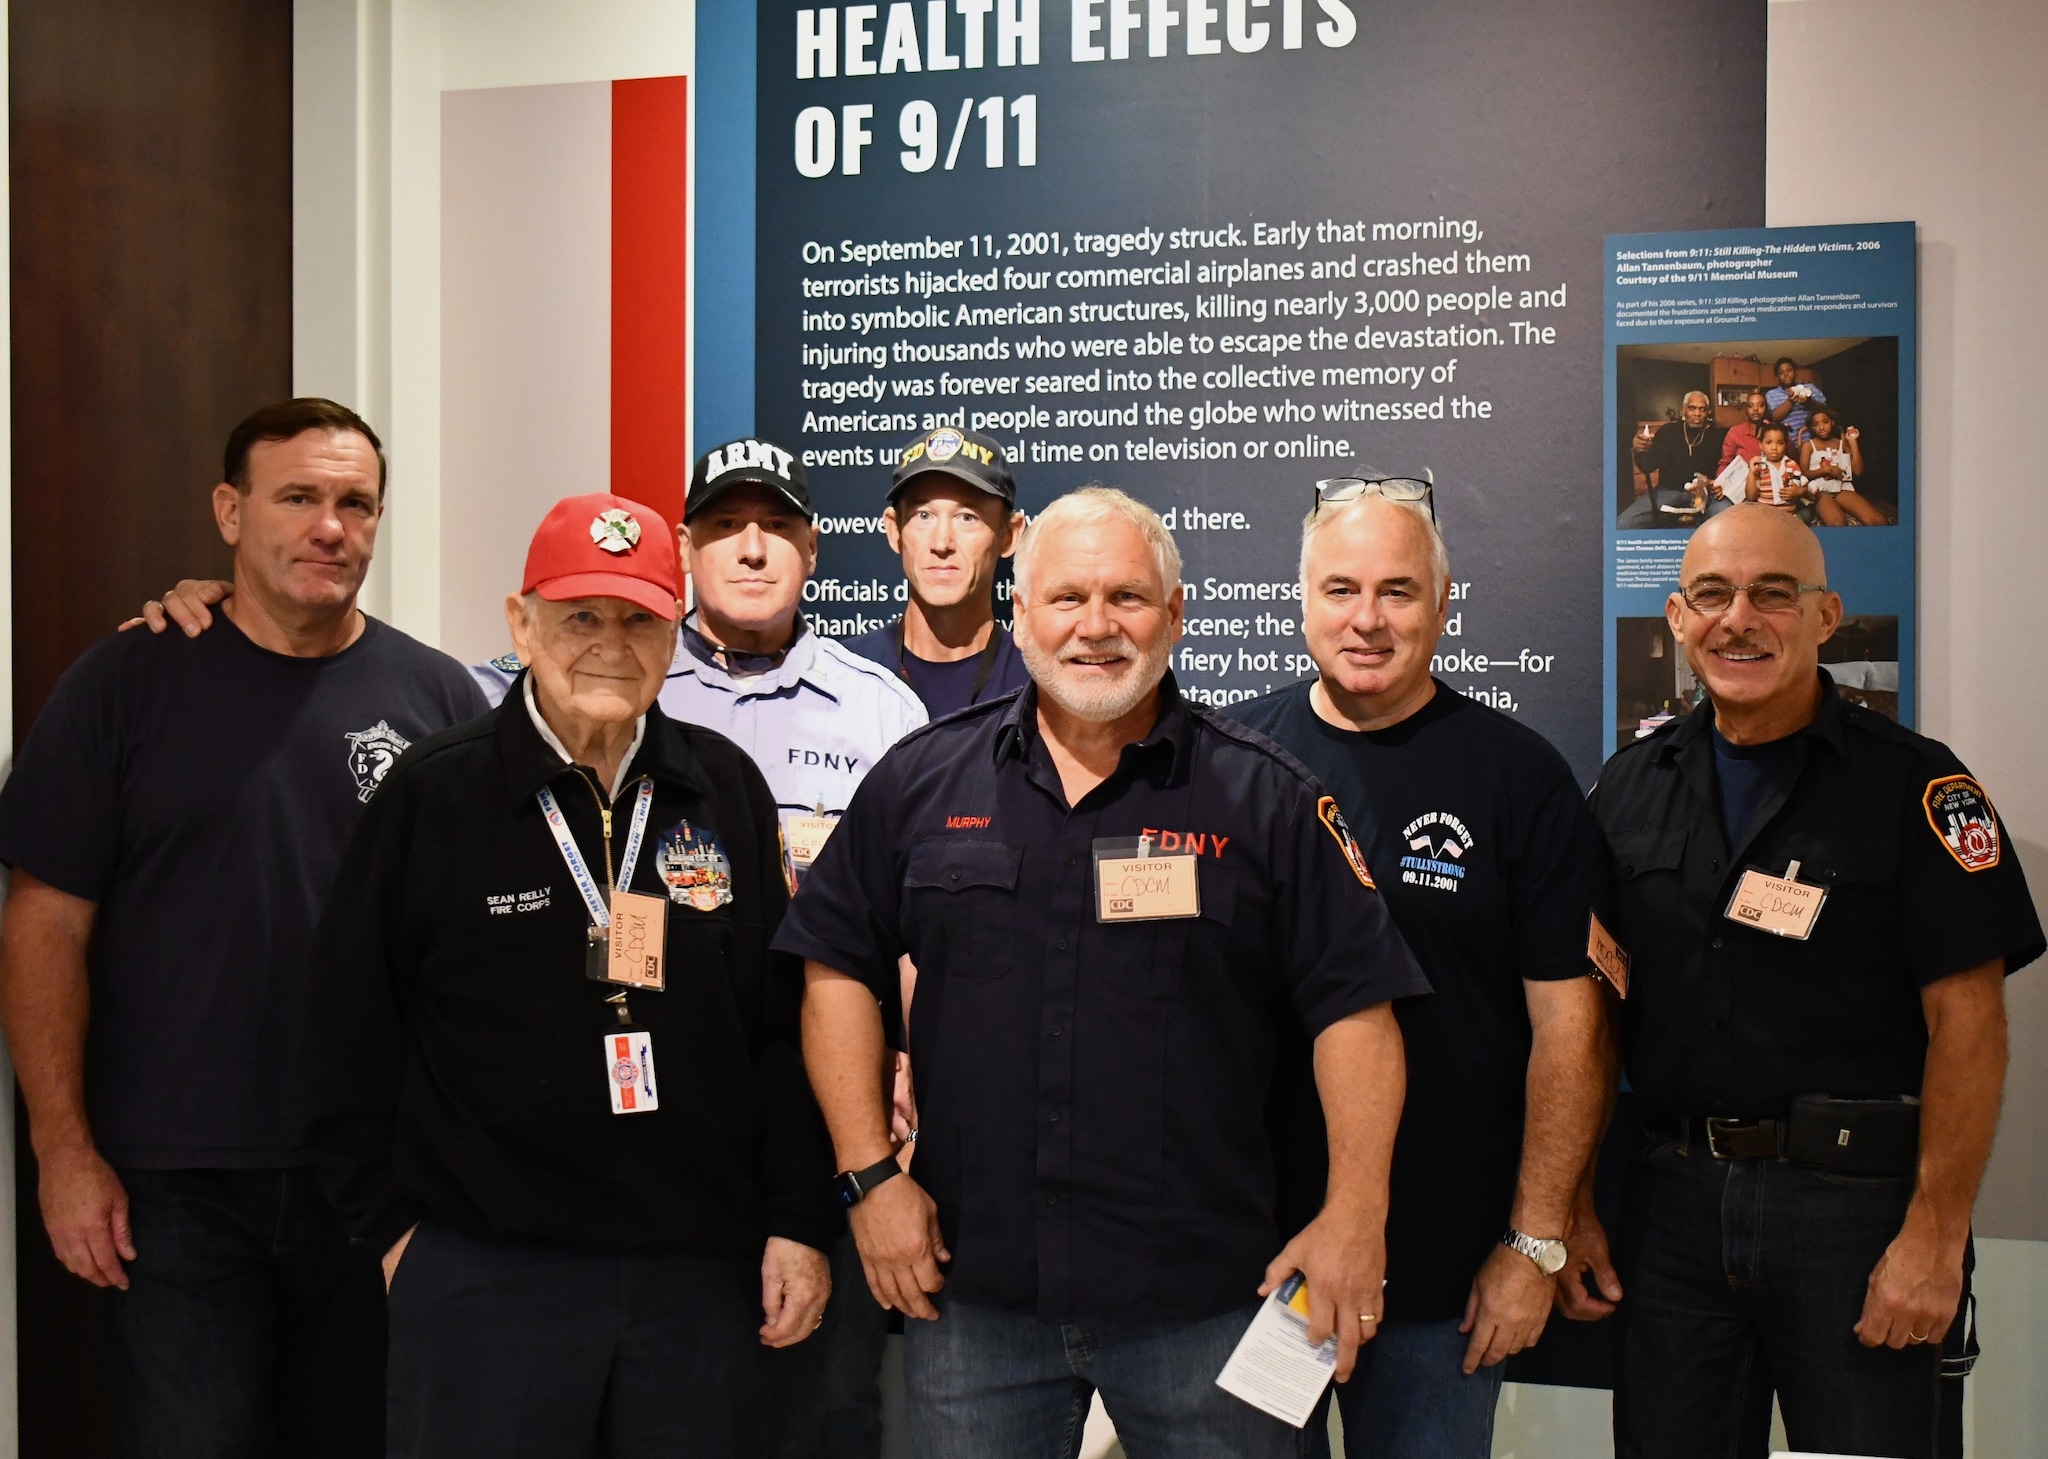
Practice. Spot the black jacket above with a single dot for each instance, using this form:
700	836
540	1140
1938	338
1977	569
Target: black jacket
455	1057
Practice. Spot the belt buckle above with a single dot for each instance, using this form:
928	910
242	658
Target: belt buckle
1718	1125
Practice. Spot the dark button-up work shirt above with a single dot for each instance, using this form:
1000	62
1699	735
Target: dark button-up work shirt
1723	1018
1092	1095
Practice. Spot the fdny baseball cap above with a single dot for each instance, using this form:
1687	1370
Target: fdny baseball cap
604	546
747	462
966	455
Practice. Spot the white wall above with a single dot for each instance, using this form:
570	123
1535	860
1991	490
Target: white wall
368	79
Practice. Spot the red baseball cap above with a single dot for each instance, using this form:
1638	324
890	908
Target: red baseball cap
604	546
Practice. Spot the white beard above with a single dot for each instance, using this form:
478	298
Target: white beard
1097	701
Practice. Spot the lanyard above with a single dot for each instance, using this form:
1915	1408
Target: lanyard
558	826
982	670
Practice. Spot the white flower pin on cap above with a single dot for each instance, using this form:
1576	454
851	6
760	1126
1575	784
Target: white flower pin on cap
615	531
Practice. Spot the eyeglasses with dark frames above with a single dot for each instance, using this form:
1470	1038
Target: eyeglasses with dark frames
1714	597
1337	490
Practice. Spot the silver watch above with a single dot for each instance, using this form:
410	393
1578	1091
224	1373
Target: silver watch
1548	1255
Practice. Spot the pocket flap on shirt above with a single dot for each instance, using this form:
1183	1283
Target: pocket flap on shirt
954	866
1637	853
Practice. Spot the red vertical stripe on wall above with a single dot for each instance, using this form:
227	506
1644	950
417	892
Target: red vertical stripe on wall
650	291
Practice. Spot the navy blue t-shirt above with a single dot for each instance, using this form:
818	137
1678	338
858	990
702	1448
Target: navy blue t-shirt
201	791
948	687
1750	776
1484	850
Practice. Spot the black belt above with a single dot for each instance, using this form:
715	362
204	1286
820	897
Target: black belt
1850	1136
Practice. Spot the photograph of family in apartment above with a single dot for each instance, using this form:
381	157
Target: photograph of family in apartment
1809	426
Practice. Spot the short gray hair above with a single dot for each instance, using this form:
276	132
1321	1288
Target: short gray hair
1321	516
1093	504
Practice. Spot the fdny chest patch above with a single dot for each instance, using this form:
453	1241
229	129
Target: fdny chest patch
1961	815
1333	822
694	868
371	754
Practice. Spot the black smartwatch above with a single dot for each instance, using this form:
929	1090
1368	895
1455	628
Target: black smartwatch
853	1185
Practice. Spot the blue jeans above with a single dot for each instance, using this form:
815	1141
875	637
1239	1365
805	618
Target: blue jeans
518	1350
1745	1278
1409	1398
989	1384
251	1326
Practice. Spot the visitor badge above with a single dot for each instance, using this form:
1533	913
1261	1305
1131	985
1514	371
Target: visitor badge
805	836
1783	906
1610	962
629	1069
1134	883
635	947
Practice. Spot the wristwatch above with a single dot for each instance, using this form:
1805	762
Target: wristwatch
1548	1255
854	1185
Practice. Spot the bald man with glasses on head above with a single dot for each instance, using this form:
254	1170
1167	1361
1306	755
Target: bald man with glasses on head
1821	908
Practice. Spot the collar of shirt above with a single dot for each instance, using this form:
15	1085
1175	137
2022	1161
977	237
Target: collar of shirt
1691	746
708	663
1172	734
533	754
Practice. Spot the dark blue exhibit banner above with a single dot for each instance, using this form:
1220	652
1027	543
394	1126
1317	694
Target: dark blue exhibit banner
1214	250
1802	342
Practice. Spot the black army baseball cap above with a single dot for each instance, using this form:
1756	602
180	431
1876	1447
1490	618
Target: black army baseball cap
967	456
747	462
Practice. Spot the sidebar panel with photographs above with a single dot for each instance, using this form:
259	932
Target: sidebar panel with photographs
1762	364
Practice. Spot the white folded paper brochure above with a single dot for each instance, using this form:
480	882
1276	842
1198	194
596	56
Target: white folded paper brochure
1275	1367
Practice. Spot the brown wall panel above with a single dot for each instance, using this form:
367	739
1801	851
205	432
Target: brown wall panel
151	173
150	158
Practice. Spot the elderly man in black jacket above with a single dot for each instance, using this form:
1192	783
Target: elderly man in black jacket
554	1074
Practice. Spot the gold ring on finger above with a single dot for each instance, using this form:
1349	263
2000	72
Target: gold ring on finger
1366	1317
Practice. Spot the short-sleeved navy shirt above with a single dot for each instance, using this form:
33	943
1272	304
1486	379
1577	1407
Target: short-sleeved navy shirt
201	791
1481	844
947	687
1922	881
1092	1096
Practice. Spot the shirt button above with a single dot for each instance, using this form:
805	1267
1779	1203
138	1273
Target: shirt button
1713	866
1055	1118
1063	944
1717	942
1055	1030
1070	861
1052	1200
953	875
1625	871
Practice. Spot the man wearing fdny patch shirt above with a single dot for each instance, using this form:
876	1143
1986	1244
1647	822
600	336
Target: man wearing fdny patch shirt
1822	908
553	1070
1481	844
1115	901
173	823
815	716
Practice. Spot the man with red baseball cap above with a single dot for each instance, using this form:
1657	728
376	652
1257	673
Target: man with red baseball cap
553	1069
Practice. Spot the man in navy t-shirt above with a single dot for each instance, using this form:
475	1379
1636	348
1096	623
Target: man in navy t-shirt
1480	843
173	823
953	517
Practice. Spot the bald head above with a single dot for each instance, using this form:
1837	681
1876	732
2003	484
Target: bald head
1755	531
1759	664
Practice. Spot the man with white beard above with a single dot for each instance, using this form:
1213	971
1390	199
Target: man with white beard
1113	899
